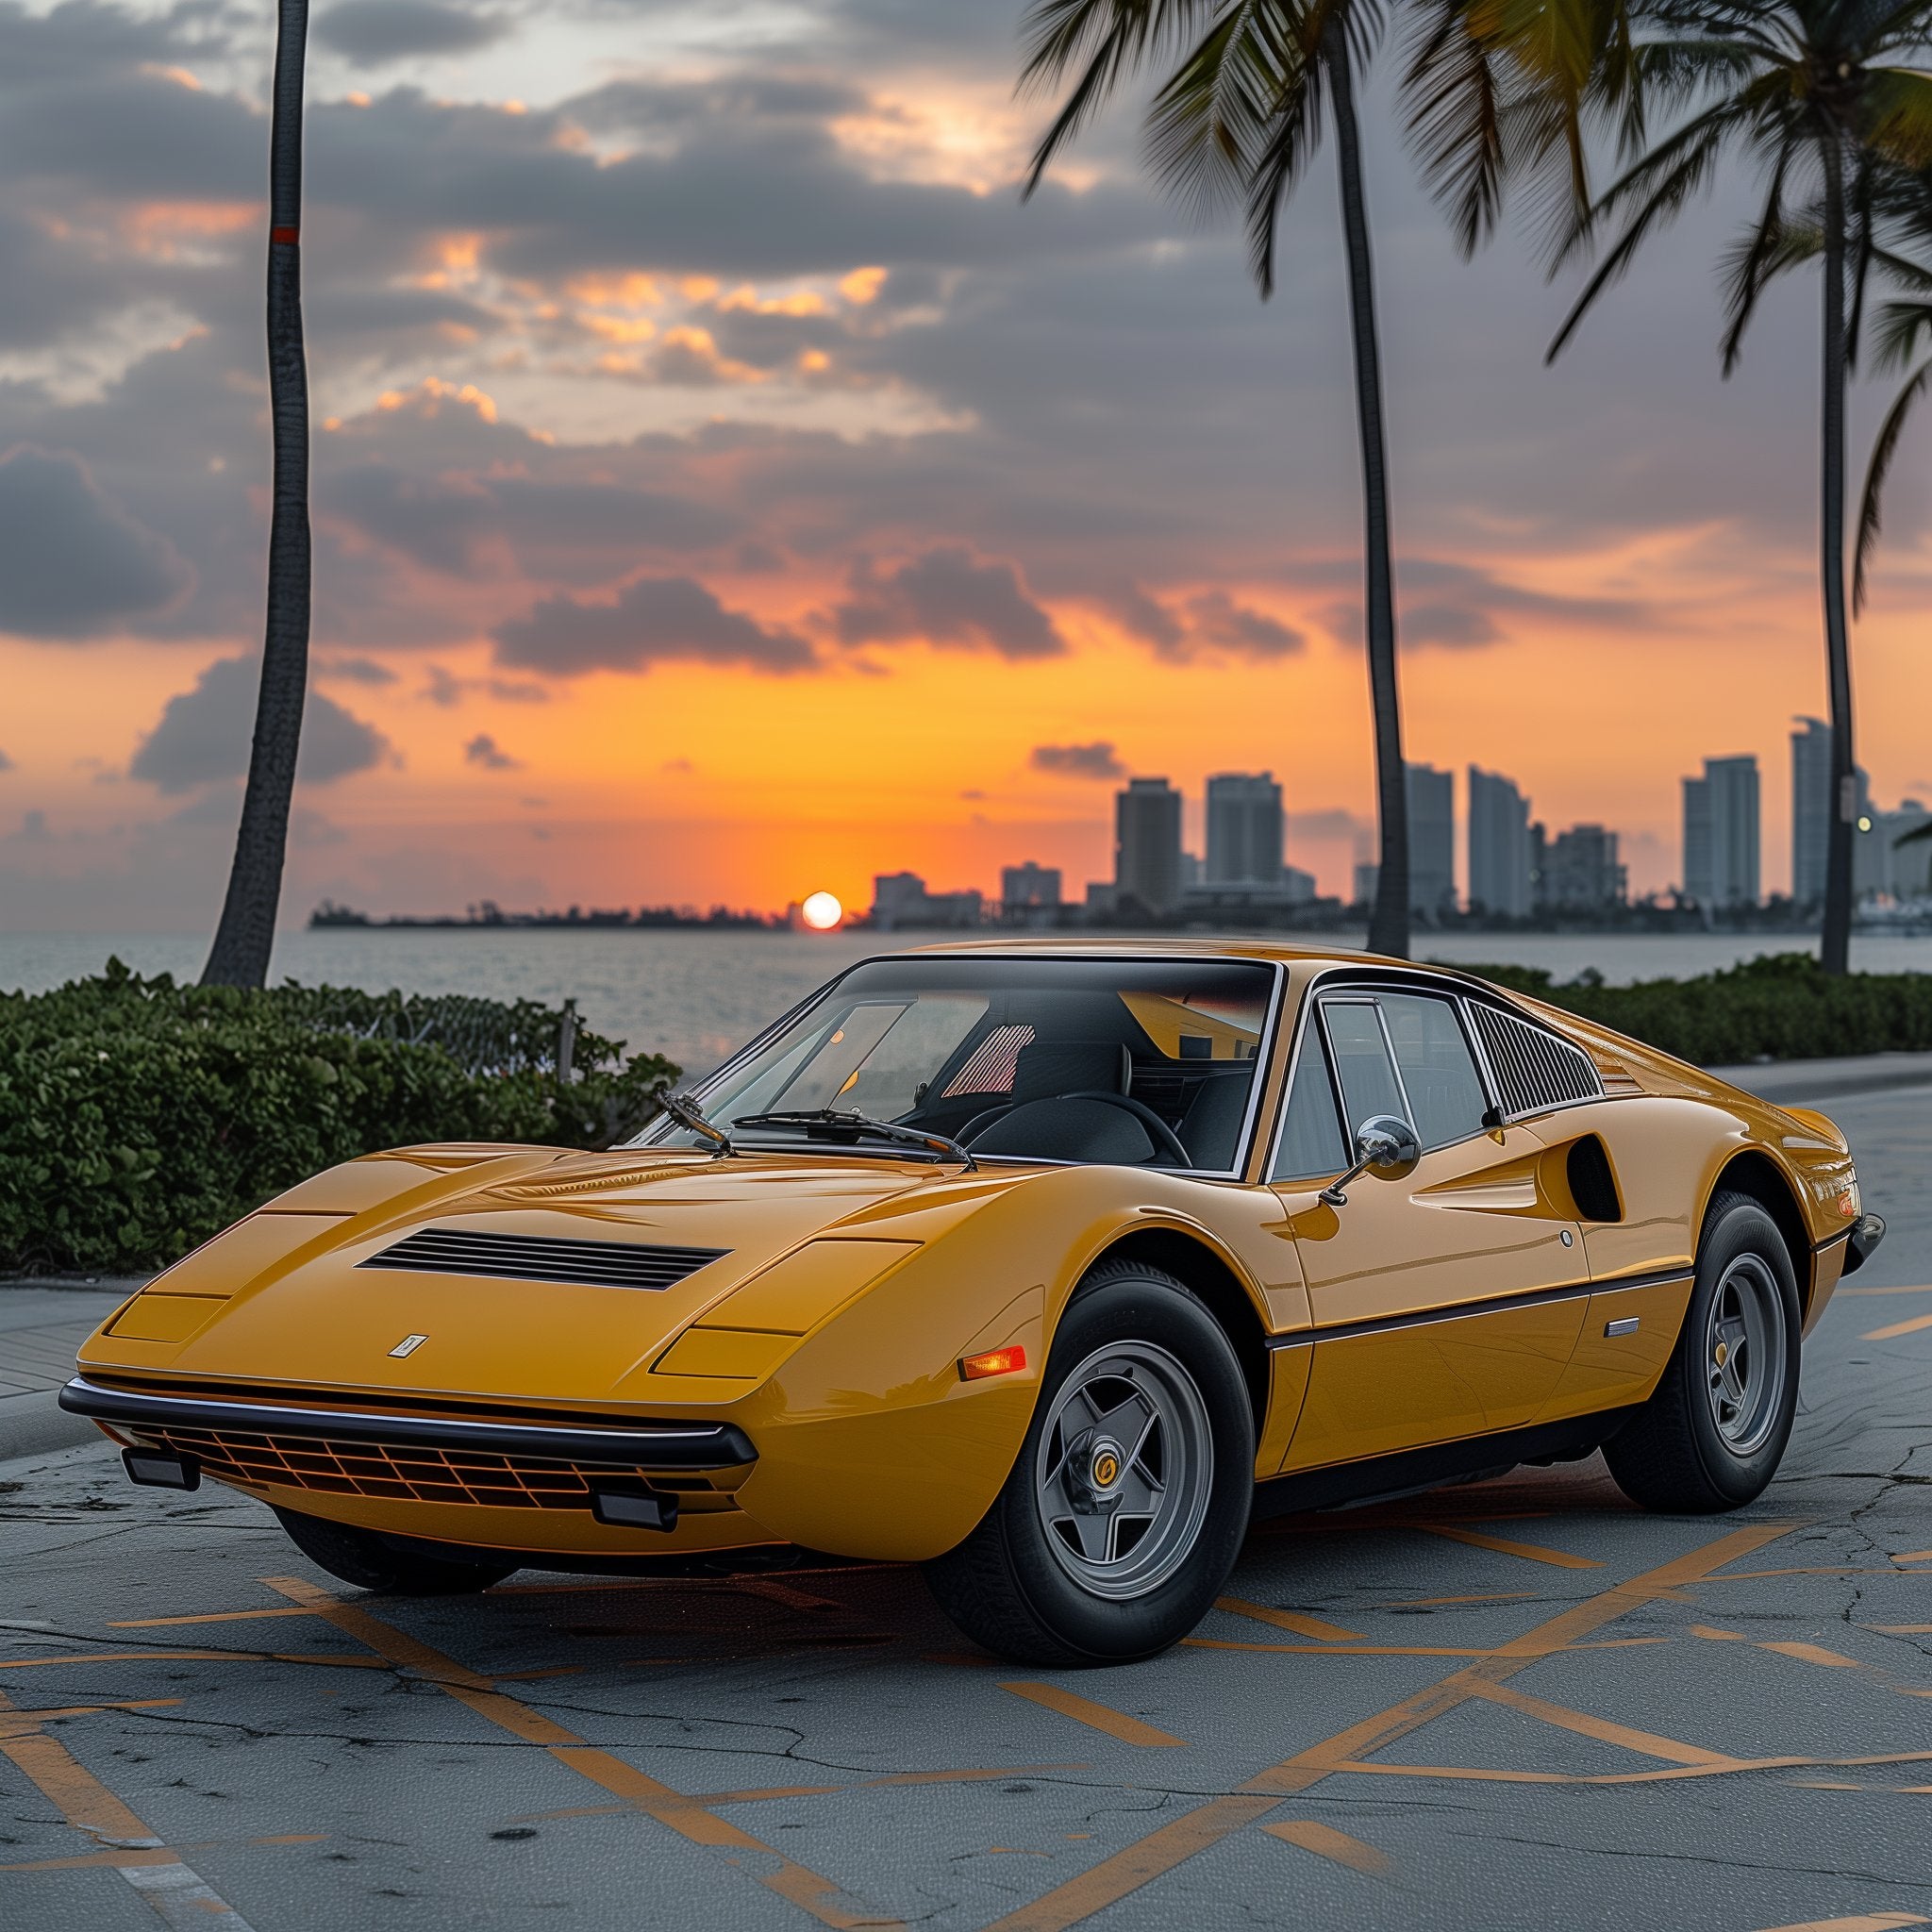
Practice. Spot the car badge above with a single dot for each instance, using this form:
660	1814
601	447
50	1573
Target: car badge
408	1345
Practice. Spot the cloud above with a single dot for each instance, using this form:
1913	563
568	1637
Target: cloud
1337	822
373	32
1077	761
485	751
947	598
355	670
203	734
655	620
1216	619
5	762
73	564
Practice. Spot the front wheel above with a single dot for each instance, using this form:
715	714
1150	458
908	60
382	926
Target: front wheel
389	1565
1712	1435
1127	1506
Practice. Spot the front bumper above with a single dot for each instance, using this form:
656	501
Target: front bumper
1867	1232
484	1462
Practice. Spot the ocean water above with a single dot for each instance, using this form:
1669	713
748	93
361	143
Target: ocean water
696	995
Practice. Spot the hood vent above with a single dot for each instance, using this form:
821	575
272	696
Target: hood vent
530	1257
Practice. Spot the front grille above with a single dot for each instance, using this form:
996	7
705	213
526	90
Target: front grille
532	1258
1534	1068
397	1472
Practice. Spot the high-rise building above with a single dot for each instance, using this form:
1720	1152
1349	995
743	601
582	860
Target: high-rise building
1499	847
1431	840
1811	808
1243	830
1578	871
1030	888
901	899
1367	876
1147	845
1881	868
1721	834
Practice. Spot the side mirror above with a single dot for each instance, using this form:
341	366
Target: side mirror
1385	1146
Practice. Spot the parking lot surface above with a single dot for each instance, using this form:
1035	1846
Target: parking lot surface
1515	1705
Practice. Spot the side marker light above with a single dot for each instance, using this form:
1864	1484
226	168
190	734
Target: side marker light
995	1361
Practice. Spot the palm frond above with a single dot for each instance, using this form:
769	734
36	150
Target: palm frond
1768	250
1114	37
1871	521
1452	93
1663	181
1896	333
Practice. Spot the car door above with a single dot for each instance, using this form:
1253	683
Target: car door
1444	1305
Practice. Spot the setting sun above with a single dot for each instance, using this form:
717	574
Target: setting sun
822	912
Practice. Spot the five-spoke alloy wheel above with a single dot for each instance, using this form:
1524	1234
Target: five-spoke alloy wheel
1126	1506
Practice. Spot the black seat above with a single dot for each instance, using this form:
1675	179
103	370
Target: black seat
1068	1128
1211	1128
1047	1068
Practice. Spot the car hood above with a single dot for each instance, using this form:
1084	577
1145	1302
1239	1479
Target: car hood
308	1293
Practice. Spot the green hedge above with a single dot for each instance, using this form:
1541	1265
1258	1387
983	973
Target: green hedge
139	1117
1778	1008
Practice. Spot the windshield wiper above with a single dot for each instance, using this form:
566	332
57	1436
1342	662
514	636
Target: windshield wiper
687	1114
856	1123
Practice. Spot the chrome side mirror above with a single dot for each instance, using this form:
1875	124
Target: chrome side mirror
1385	1146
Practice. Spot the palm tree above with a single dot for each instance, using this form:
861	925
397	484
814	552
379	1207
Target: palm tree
245	936
1810	89
1489	93
1898	330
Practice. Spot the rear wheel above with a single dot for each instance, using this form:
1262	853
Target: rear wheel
1711	1436
1127	1506
389	1565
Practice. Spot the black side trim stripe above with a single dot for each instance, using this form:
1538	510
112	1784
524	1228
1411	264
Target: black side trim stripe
664	1446
1466	1311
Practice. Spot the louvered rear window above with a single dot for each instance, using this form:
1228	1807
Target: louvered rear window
1534	1068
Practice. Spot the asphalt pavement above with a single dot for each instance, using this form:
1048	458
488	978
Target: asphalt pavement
1506	1708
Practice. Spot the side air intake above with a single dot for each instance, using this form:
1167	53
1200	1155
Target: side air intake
531	1257
1534	1068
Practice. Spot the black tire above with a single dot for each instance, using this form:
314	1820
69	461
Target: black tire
1008	1585
1680	1454
389	1565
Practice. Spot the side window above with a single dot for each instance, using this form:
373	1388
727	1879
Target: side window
1362	1064
1311	1145
1446	1093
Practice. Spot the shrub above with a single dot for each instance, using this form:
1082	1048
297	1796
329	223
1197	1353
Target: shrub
1782	1006
139	1117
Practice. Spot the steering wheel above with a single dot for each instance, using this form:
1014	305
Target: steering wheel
1164	1136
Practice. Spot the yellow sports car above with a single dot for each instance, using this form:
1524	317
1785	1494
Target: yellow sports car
1033	1263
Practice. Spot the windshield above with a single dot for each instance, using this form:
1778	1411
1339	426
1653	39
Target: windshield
1139	1062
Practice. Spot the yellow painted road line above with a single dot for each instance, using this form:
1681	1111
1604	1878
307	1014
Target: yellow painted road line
1129	1730
1477	1774
1898	1329
1602	1729
1288	1619
803	1886
1326	1842
1825	1570
1903	1629
1403	1649
1867	1921
214	1616
1533	1553
1913	1557
1842	1291
1718	1636
1169	1845
181	1899
1814	1654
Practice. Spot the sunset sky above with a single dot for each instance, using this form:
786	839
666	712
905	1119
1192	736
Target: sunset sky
725	488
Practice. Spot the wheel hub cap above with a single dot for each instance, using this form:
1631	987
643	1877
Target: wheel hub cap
1125	1471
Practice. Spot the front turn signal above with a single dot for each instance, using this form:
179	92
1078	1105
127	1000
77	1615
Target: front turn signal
995	1361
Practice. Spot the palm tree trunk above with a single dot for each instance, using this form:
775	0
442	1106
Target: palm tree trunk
1836	939
239	955
1389	923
